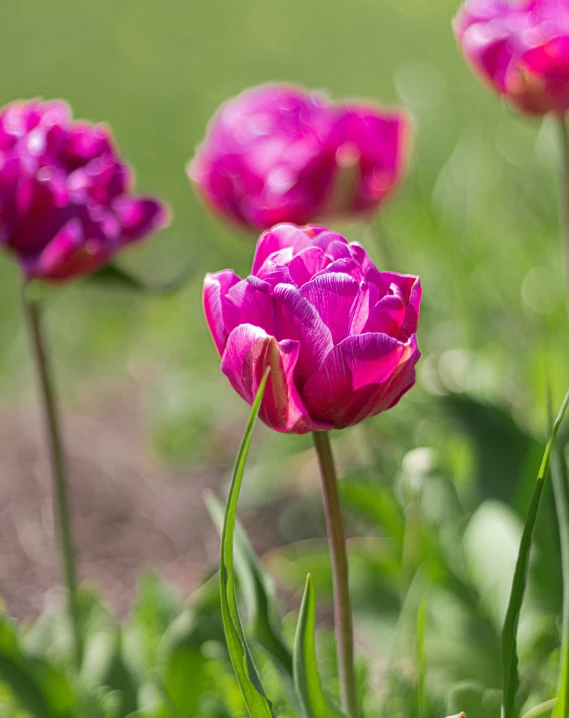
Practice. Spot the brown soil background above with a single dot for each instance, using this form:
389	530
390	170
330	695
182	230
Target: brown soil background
130	511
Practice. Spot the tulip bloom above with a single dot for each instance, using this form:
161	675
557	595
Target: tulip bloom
277	153
338	334
520	49
65	201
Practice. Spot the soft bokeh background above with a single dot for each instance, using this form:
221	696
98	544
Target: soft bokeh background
150	420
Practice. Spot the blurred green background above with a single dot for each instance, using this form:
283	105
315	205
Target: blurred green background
476	218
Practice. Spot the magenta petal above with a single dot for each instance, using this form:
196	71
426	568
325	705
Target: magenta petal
333	296
387	317
284	237
296	318
306	264
397	312
248	353
274	274
408	288
67	255
249	302
139	217
215	288
361	377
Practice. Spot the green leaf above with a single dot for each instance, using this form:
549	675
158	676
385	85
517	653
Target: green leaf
510	630
474	700
247	676
421	662
259	593
315	703
104	666
154	609
113	276
379	505
505	455
560	485
181	653
37	687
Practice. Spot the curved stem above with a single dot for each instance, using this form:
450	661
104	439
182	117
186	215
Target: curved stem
541	709
564	201
62	513
337	540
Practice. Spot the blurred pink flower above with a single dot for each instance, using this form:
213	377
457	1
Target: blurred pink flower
521	49
338	334
65	202
277	153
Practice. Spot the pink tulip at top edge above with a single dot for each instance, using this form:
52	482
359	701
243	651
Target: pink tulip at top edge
277	153
520	49
65	194
338	334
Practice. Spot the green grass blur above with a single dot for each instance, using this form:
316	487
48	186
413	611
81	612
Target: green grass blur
476	217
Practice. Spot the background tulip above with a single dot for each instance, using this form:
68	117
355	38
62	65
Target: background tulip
338	334
277	153
521	49
65	202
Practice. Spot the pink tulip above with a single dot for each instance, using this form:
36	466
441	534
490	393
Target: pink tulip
338	334
520	49
277	153
65	201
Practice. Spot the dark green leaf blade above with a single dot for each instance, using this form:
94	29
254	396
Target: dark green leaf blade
113	276
257	703
315	703
509	633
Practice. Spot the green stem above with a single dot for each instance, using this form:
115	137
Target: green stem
541	709
337	540
62	514
564	201
560	491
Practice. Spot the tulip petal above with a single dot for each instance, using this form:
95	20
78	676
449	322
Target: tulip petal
296	318
333	296
69	254
249	351
138	217
334	245
361	377
286	239
397	311
408	288
249	301
306	264
215	288
274	274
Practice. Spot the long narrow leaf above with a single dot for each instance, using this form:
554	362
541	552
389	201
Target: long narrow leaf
315	703
559	478
247	676
510	630
258	590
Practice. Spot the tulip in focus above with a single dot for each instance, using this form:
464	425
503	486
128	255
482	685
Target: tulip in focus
65	194
521	49
338	334
277	153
